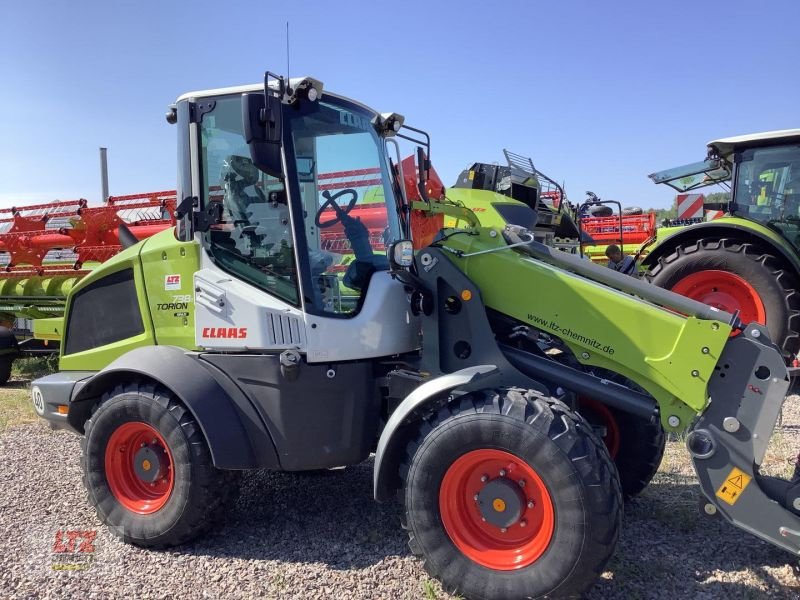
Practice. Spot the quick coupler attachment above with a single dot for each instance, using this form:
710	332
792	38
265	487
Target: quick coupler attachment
729	439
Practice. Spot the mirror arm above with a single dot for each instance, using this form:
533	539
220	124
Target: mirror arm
460	213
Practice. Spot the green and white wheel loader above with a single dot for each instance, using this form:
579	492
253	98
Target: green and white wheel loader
238	341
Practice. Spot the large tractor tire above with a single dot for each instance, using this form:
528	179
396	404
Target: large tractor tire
147	469
10	351
737	277
509	494
636	445
6	362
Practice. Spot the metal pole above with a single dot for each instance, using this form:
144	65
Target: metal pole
104	174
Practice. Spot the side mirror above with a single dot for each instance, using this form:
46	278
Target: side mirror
262	125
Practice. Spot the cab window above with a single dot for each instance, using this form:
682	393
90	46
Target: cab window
254	238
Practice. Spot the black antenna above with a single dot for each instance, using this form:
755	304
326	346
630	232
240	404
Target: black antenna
288	79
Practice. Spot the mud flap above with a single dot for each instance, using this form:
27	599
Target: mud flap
730	438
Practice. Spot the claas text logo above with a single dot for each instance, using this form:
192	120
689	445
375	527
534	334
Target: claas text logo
224	332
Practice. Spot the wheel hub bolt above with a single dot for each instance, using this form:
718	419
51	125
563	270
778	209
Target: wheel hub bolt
521	483
484	478
531	503
523	523
502	472
142	445
503	530
475	497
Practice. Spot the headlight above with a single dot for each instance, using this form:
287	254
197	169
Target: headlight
401	254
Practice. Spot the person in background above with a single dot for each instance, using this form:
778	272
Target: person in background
620	262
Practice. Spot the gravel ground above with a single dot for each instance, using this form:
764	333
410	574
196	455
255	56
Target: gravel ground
322	536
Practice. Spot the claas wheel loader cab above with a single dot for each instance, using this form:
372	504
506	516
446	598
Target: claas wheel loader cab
276	328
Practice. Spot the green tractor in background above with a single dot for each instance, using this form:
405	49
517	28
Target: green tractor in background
746	262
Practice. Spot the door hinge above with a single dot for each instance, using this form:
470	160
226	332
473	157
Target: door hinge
198	109
202	220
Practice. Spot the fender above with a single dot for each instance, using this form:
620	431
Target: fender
726	227
389	445
236	435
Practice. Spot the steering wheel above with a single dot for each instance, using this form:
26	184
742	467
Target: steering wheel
330	200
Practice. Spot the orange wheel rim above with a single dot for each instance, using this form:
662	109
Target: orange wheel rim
726	291
496	509
139	468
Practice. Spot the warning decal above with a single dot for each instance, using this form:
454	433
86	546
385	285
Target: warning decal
733	486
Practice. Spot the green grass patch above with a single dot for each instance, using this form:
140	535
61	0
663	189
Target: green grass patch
15	403
31	368
429	590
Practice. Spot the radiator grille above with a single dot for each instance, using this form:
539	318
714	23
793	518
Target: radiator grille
283	330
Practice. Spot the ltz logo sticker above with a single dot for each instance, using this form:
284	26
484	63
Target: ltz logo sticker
73	550
172	282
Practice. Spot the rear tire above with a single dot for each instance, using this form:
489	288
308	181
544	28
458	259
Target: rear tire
148	471
636	445
570	501
753	269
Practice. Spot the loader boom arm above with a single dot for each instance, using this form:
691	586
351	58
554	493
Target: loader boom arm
670	355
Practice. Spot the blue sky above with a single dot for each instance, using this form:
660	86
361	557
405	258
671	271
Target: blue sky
599	93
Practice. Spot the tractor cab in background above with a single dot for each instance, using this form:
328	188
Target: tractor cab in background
762	172
747	261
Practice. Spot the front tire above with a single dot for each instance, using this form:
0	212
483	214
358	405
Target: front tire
148	471
536	473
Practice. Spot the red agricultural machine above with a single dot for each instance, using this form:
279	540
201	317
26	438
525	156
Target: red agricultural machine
45	249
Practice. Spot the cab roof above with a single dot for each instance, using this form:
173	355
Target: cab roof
730	144
257	87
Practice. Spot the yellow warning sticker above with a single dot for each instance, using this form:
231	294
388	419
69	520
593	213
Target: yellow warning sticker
733	486
471	175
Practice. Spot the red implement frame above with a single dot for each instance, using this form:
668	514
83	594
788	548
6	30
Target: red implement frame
635	228
90	233
29	233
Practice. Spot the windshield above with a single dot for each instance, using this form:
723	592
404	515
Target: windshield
767	187
343	186
324	229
